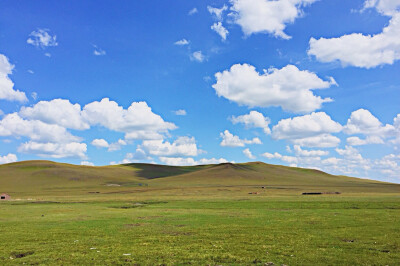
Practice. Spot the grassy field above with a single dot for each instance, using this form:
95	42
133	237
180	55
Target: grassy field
153	215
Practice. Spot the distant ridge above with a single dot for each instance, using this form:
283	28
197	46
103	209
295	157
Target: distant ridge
39	176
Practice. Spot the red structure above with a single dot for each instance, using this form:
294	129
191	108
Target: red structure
5	197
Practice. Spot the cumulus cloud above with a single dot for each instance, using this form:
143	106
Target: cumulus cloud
288	87
138	156
7	91
212	161
9	158
197	56
248	154
362	121
319	141
356	141
221	30
182	42
217	12
87	163
389	165
45	124
300	127
349	162
180	112
55	150
230	140
42	38
356	49
352	154
116	146
308	153
177	161
137	122
182	146
265	16
100	143
386	7
180	161
14	125
57	111
253	119
276	155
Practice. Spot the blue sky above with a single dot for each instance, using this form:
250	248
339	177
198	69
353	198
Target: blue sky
295	82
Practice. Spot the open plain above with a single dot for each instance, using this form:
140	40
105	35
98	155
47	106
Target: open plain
226	214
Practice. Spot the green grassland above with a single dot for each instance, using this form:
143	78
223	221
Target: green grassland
152	215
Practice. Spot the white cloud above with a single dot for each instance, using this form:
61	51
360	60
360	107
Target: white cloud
349	153
47	54
55	150
182	42
271	156
57	111
356	141
192	11
264	16
363	122
300	127
197	56
253	119
42	38
138	156
288	87
308	153
14	125
217	12
180	112
98	51
389	165
182	146
177	161
386	7
221	30
360	50
248	154
34	96
100	143
137	122
211	161
30	71
7	91
87	163
9	158
319	141
116	146
396	124
230	140
331	161
288	159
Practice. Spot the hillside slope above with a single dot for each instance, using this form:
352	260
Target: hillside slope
46	176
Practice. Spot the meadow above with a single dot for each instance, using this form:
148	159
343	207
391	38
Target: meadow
145	220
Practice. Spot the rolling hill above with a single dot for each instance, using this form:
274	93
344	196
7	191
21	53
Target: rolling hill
44	177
